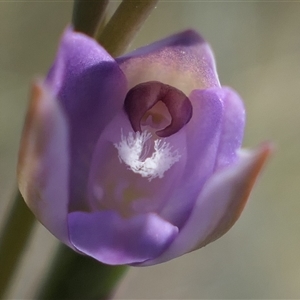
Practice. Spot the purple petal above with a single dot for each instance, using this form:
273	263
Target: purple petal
219	204
184	61
203	136
44	162
91	88
113	185
232	126
112	239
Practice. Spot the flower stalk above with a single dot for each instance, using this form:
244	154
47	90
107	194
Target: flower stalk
86	278
87	15
13	240
125	24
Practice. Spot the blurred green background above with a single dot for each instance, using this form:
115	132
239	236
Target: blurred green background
257	47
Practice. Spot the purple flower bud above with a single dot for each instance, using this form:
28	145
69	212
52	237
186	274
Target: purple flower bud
136	160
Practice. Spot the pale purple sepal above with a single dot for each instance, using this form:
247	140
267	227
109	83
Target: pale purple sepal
202	142
91	89
233	124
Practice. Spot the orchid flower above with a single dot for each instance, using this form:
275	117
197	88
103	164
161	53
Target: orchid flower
136	160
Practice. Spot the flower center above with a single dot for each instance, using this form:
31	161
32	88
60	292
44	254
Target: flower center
151	106
141	98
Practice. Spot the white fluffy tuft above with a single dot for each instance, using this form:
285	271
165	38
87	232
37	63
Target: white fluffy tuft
133	151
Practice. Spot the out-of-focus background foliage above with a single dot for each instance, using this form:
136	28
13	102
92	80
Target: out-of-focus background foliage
257	47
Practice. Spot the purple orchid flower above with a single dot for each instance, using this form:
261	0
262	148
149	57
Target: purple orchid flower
136	160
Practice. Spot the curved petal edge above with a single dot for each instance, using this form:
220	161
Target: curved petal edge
113	239
43	161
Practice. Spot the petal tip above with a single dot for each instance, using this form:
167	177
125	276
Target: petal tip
260	157
245	179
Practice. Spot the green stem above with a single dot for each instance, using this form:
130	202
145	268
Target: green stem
88	14
125	24
13	240
74	276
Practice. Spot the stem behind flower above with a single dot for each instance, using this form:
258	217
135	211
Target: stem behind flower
125	24
87	15
13	240
74	276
